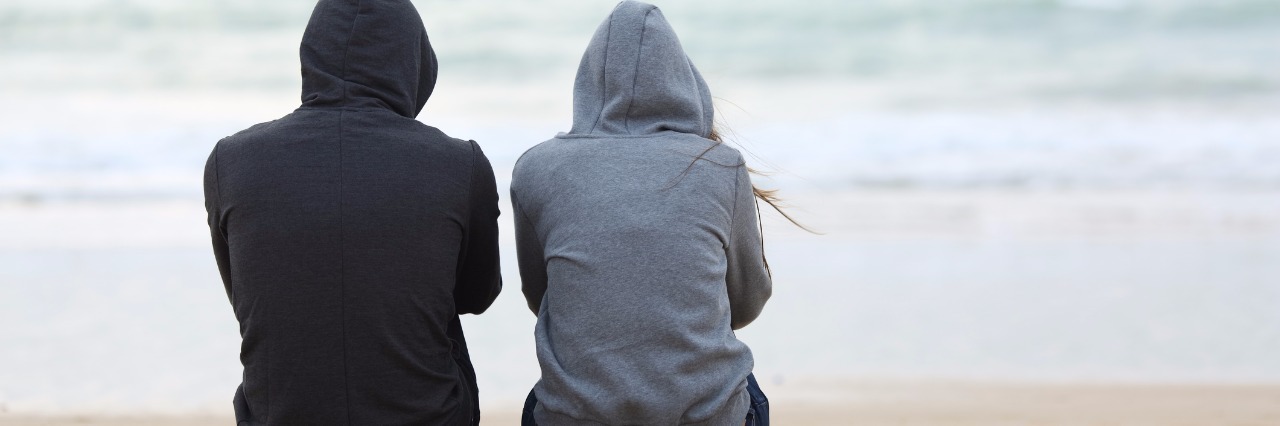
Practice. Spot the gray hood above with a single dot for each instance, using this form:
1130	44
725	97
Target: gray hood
635	79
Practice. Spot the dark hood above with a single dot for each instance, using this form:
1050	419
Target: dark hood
635	79
367	54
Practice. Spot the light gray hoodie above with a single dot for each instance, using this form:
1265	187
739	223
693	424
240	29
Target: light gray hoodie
639	258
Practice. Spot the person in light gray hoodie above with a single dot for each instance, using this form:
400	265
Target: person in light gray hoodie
639	244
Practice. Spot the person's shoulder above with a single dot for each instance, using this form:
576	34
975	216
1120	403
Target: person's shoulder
704	149
433	135
443	150
729	155
248	135
539	154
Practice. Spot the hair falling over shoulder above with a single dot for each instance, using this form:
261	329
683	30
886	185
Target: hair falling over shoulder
768	196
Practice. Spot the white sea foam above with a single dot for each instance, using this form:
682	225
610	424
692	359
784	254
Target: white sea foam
122	99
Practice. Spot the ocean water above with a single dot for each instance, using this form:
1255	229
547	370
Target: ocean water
123	98
1070	190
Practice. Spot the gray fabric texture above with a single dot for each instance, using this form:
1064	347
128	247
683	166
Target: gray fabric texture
638	242
350	236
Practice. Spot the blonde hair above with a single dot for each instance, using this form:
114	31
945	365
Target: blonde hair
769	196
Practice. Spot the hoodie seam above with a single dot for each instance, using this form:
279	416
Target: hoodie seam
660	134
346	50
222	232
342	233
635	77
342	268
733	212
604	74
515	203
217	186
466	219
217	179
347	109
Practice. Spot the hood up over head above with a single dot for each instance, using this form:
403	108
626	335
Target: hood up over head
635	79
367	54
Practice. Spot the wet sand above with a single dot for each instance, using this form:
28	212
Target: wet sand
931	403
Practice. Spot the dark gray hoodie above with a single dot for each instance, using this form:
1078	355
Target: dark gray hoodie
639	258
350	236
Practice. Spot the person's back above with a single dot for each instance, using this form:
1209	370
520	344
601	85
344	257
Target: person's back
350	236
638	243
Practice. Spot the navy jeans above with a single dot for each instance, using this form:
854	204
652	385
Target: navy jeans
757	415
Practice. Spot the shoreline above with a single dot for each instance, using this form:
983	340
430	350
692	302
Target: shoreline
850	213
921	403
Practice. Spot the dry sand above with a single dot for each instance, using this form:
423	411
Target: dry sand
933	403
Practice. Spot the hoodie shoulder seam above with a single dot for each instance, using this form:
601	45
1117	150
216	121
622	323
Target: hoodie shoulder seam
733	212
471	179
217	181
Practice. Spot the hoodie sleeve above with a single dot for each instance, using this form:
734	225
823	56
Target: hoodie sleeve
529	253
213	206
748	278
479	272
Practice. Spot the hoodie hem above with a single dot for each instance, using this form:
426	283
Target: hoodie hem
733	413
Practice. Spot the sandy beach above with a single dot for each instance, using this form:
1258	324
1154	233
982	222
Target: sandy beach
1177	286
931	403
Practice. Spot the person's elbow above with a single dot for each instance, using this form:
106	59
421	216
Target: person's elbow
746	311
478	303
533	296
742	320
534	306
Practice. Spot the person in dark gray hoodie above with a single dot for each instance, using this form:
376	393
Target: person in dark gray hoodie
639	245
350	236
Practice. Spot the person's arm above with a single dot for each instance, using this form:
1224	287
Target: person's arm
748	279
213	207
479	275
529	253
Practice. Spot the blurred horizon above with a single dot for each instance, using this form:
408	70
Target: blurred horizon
1114	49
1031	94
